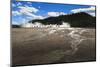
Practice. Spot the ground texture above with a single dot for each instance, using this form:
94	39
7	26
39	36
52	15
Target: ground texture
52	45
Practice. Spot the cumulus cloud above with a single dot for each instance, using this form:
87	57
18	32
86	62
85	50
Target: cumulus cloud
28	9
54	14
90	10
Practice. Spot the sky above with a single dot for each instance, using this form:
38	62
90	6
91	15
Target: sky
22	12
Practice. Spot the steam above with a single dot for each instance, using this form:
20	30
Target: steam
74	33
40	25
52	31
64	24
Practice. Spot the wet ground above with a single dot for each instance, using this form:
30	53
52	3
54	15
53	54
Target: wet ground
52	45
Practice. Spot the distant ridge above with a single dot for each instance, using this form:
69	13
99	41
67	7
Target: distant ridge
81	19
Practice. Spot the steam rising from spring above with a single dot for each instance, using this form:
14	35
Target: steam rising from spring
74	34
40	25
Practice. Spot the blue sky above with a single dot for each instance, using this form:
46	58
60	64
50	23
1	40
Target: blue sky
22	12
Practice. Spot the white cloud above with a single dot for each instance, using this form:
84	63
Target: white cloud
54	14
28	9
15	13
90	10
83	9
30	13
19	4
36	17
29	2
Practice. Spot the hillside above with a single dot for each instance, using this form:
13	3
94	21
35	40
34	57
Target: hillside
75	20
